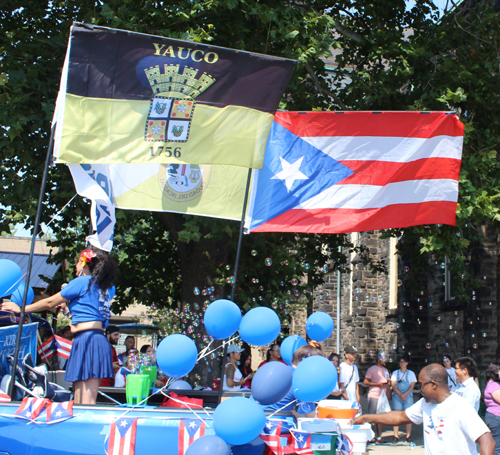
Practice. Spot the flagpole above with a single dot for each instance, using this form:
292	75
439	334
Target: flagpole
238	250
233	289
30	260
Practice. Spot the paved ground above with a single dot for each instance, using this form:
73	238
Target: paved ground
400	448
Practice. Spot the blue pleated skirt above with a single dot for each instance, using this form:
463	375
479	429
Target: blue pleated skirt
90	357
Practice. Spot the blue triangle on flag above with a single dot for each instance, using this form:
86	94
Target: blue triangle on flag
60	413
192	426
293	172
123	424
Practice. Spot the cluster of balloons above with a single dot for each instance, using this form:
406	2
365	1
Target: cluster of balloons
239	420
11	284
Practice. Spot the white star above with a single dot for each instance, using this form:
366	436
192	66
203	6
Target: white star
300	438
192	425
123	423
58	413
28	413
290	172
156	129
182	108
269	425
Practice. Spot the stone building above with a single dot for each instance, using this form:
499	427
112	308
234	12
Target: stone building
407	313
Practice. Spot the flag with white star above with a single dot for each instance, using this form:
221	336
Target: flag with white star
302	443
334	172
122	436
189	431
58	412
31	408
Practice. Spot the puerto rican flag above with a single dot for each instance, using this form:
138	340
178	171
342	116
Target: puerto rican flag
344	444
122	436
58	412
276	442
63	346
337	172
31	408
4	398
46	350
189	431
302	443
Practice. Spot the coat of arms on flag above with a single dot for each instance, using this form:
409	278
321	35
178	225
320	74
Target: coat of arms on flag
122	436
189	431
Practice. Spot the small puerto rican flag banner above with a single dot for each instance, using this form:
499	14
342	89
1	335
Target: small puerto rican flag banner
58	412
46	349
344	445
302	443
30	408
189	431
63	346
122	436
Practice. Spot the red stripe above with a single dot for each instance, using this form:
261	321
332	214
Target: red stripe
335	221
112	438
384	172
395	124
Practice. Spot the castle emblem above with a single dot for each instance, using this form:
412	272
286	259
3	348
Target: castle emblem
173	102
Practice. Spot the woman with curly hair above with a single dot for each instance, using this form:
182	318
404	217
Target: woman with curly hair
88	298
492	401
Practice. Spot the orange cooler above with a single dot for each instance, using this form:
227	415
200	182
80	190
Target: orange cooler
337	409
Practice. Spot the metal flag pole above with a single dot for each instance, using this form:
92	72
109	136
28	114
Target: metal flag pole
233	289
338	305
30	260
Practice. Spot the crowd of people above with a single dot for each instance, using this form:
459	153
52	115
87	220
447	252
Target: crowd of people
448	408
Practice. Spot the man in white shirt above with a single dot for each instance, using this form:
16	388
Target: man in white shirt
465	369
450	425
349	375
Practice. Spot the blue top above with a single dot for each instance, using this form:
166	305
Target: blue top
84	305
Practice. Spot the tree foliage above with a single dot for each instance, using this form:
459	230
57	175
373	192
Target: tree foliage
387	58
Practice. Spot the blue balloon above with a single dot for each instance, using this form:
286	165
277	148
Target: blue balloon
222	319
314	379
10	277
260	326
289	346
180	384
176	355
18	294
238	420
319	326
210	444
271	383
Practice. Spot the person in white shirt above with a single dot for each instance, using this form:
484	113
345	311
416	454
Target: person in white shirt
349	375
452	377
466	369
450	425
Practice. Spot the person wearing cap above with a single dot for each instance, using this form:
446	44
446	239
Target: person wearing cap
233	379
349	375
377	379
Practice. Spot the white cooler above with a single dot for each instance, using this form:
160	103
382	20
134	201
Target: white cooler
358	434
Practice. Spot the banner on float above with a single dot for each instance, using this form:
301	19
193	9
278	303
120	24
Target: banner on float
135	98
337	172
8	336
202	190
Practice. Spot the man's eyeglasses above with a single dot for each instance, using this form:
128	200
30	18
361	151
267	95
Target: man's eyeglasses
423	384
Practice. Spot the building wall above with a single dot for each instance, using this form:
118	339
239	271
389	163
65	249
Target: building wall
424	325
